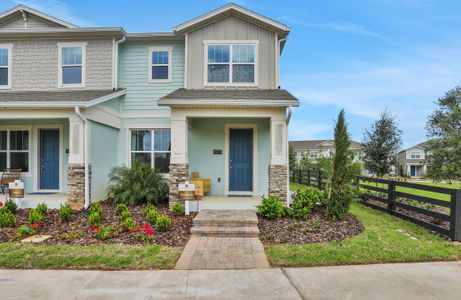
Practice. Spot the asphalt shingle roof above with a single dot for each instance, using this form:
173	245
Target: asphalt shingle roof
250	94
58	96
312	144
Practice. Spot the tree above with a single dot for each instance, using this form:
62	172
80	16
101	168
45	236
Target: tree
305	162
340	189
444	127
381	144
292	158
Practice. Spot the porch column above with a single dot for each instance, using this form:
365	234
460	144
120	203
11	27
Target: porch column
76	166
278	169
179	160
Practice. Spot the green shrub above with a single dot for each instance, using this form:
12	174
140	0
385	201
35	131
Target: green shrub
128	224
305	201
65	212
124	215
136	185
270	208
96	207
25	230
7	218
151	215
42	208
11	206
94	218
121	208
179	209
104	232
163	223
35	216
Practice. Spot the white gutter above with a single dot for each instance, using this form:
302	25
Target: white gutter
289	111
115	63
85	157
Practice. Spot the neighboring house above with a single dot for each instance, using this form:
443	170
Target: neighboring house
204	98
322	148
412	160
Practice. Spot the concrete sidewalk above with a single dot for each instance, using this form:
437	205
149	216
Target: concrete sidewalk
391	281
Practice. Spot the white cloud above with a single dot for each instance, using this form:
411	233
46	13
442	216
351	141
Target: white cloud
55	8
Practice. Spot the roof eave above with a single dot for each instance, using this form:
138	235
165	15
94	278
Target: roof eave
228	102
38	13
65	32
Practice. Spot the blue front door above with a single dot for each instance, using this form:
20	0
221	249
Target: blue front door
413	171
241	160
49	159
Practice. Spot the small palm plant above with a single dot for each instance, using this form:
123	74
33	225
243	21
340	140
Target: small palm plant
136	185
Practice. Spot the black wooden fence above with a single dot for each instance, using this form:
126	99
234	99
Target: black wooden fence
394	198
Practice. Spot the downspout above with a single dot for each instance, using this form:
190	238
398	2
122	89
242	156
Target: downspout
85	157
115	63
289	111
277	73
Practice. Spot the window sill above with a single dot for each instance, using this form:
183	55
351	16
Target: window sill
70	86
160	81
5	87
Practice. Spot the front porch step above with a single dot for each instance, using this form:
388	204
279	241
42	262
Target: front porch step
229	231
226	218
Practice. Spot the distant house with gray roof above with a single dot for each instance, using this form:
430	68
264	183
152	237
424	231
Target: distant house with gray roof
412	160
322	148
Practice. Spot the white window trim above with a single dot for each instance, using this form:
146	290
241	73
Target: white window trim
416	153
152	152
18	128
170	64
73	85
10	65
206	43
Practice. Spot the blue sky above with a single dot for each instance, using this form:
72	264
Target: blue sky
360	55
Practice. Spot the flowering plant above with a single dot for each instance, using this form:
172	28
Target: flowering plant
144	233
36	226
1	203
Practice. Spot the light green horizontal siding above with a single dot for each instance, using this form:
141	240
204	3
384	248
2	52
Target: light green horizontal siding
133	75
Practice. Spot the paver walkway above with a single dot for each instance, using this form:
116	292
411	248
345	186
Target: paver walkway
224	239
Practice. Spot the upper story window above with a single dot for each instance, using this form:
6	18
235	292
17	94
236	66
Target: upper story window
160	64
415	154
231	64
72	57
5	66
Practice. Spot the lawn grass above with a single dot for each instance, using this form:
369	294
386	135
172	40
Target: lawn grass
382	242
94	257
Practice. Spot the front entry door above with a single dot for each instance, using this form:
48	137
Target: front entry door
49	159
413	171
241	160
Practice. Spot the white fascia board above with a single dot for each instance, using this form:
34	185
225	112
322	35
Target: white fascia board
229	7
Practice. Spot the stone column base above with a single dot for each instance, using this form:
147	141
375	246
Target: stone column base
76	185
179	173
278	181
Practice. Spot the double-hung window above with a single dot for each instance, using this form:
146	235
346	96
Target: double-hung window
5	66
415	155
14	150
72	59
160	64
151	146
231	64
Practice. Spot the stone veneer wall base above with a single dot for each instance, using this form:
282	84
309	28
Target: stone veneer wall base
76	185
278	181
179	173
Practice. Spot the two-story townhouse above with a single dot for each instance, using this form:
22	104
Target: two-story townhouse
412	160
204	98
322	148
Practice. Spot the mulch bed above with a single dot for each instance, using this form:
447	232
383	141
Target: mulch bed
316	229
78	232
422	217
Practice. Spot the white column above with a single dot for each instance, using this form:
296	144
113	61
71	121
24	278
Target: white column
179	128
279	140
76	140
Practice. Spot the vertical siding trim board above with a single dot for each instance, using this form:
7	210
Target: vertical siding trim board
186	51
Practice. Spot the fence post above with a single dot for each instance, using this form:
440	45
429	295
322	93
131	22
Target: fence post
308	177
455	218
319	179
390	196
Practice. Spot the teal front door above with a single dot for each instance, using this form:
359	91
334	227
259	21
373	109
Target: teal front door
240	160
49	159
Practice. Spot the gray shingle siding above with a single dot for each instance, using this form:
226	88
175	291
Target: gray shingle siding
35	64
